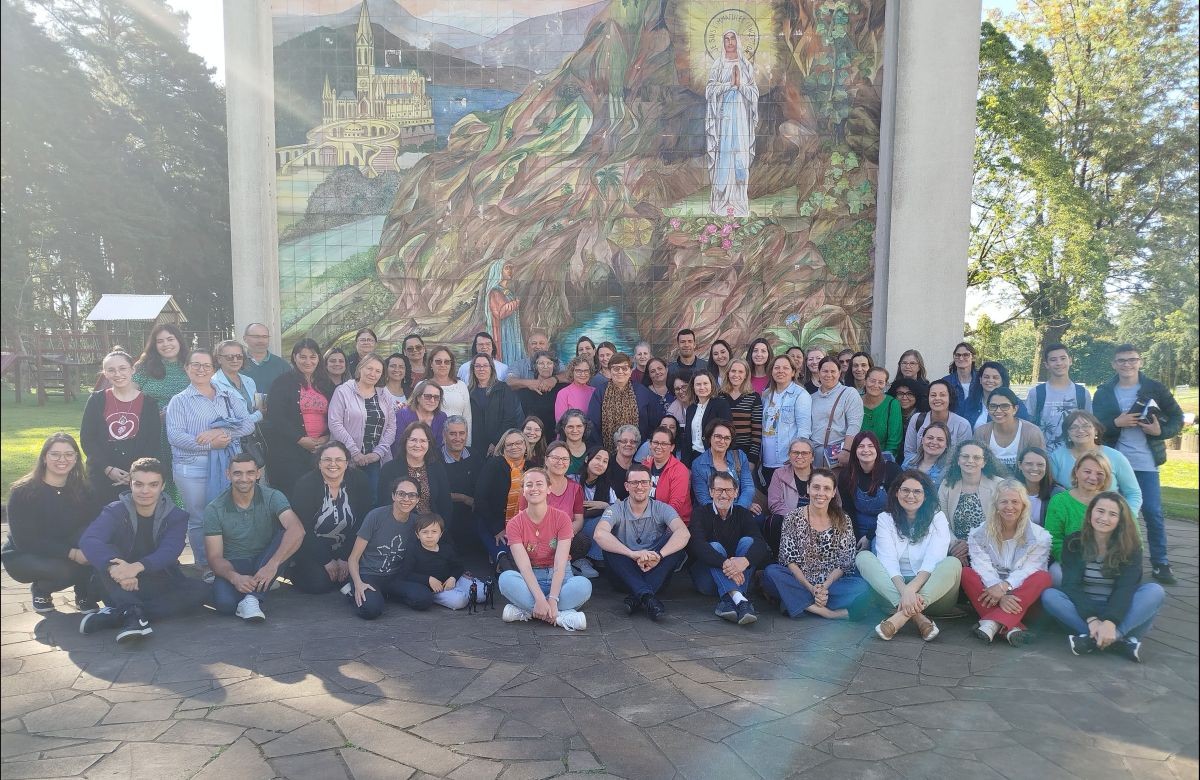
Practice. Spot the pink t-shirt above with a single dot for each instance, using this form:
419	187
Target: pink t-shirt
572	397
571	500
760	383
314	412
540	540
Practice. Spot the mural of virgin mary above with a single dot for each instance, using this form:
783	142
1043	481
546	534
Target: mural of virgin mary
729	124
501	313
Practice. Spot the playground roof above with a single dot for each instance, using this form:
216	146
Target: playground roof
114	306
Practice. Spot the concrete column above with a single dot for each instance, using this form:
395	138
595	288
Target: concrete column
250	120
926	163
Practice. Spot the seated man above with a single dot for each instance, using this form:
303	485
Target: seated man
727	546
643	541
134	545
249	532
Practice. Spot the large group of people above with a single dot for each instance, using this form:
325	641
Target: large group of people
816	479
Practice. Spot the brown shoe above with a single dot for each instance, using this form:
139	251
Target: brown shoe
926	627
885	630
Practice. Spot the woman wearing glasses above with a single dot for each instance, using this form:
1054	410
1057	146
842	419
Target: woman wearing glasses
421	461
494	405
382	544
720	457
414	350
231	358
578	394
331	502
362	416
1006	436
669	478
456	396
968	493
365	342
1082	432
426	407
498	493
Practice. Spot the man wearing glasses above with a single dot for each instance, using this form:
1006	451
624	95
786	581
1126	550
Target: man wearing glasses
643	541
263	366
1138	415
727	547
521	374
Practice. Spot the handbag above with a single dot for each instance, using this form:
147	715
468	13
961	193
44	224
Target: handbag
831	451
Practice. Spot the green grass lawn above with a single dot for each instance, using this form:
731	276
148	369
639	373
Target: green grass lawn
1181	490
23	429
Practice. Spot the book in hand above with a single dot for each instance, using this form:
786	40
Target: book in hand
1144	409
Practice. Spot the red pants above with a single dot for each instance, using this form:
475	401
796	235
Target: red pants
1028	592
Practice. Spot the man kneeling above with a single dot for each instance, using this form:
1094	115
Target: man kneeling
134	545
643	542
249	532
727	546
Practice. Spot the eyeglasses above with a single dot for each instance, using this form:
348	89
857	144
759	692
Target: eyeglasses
1127	361
723	490
230	357
414	350
331	461
999	407
200	366
963	355
720	437
904	394
406	495
660	444
514	444
800	454
61	456
971	458
431	396
637	482
910	491
558	459
627	442
1081	427
441	361
621	369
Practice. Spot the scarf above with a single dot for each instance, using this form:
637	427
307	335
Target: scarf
619	407
516	469
335	517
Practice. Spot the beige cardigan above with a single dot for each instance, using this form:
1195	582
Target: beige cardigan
948	496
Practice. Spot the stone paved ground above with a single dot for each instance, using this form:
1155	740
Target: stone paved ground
317	693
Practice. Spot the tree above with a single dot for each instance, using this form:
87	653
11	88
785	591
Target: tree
1086	142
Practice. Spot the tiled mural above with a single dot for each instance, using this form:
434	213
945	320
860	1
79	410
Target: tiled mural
614	168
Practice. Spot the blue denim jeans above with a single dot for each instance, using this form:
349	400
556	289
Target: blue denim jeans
225	596
1156	527
1138	621
192	481
574	593
712	581
794	598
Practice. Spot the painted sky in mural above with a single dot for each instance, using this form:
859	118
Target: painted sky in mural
620	168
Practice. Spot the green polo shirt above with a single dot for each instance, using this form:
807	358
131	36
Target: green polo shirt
247	532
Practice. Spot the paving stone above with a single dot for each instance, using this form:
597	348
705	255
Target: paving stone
548	715
488	683
744	713
810	727
512	728
151	760
400	714
871	680
368	766
965	715
851	769
266	715
202	732
467	724
699	694
89	748
141	711
598	680
48	767
922	766
478	769
698	758
532	770
783	696
582	761
707	725
437	686
121	732
329	706
774	756
546	748
77	713
306	739
15	706
19	744
326	765
1018	762
648	704
622	748
397	745
907	737
868	747
241	761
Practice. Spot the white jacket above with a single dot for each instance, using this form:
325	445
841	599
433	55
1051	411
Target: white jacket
1022	558
903	557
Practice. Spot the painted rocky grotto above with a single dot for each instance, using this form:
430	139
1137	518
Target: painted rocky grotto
617	168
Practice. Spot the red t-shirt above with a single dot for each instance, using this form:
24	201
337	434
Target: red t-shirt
122	419
540	540
571	500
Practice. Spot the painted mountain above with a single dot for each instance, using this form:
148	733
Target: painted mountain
593	186
391	16
539	44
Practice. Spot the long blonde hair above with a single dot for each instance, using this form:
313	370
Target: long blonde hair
746	387
994	524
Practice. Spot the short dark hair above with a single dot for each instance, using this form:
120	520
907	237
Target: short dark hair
404	478
619	359
665	431
244	457
725	475
330	445
1054	346
1126	348
635	466
1005	392
429	518
685	332
149	466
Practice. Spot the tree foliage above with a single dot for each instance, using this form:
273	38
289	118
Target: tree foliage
114	163
1085	158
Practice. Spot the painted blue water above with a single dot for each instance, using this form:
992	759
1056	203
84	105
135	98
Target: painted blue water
603	325
447	111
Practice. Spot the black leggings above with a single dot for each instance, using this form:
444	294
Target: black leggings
394	588
48	574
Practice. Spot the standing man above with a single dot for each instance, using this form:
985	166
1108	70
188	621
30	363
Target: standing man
1139	414
643	541
263	366
134	545
686	363
1049	402
249	532
462	468
520	372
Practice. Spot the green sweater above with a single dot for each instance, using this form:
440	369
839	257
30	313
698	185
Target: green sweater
887	422
1064	516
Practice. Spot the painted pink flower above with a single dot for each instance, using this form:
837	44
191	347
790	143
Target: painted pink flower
727	244
710	228
675	224
725	231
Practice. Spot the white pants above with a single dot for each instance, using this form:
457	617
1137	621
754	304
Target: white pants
458	596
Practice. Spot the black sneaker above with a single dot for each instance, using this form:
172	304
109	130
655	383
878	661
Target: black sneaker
1018	637
726	610
1130	647
1081	644
632	604
745	613
654	608
1162	572
100	620
42	602
136	625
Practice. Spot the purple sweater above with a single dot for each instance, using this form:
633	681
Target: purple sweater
348	419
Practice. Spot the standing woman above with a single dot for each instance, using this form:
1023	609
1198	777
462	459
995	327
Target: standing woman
759	356
1037	475
414	350
361	417
604	354
705	407
1102	600
160	375
992	376
656	378
542	404
535	437
860	364
933	456
422	463
1007	436
331	501
812	362
397	378
863	485
912	366
641	357
1008	566
745	411
365	342
578	394
494	406
497	494
837	414
968	492
204	423
456	396
334	362
231	356
722	458
963	374
941	409
719	355
1065	516
120	424
585	347
882	414
297	419
787	415
681	389
816	571
1083	432
426	407
48	509
912	396
910	568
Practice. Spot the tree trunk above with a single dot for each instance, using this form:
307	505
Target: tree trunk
1049	333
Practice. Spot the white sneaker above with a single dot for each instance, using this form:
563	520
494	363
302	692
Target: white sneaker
348	588
514	614
571	620
250	610
986	630
584	568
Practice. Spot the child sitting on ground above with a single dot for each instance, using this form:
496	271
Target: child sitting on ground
437	567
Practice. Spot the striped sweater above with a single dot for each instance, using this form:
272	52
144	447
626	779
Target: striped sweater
747	413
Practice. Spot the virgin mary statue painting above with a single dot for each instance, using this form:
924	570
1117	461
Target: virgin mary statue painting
729	124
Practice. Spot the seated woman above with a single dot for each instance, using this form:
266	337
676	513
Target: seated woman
1006	436
668	422
535	437
331	502
863	486
567	495
1008	566
967	493
296	422
497	494
1082	432
376	564
120	424
494	405
721	458
705	407
626	452
991	377
574	428
817	546
1102	600
48	509
425	406
578	394
598	495
910	568
421	462
541	404
657	380
362	416
1090	476
542	585
882	414
789	486
434	565
669	479
941	409
745	412
933	456
1038	478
